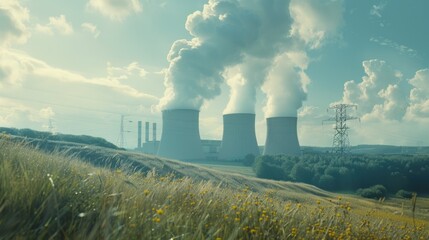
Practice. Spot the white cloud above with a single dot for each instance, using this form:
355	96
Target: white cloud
419	95
116	9
393	107
13	19
20	65
376	10
308	111
379	94
315	20
122	73
394	45
58	24
91	28
15	114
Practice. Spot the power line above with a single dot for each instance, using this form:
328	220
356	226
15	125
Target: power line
341	143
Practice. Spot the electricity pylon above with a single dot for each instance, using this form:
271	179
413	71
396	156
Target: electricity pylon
122	131
340	143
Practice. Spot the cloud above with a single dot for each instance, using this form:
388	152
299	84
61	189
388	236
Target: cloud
394	45
16	114
58	24
383	95
126	72
394	104
17	66
116	10
315	20
11	71
374	88
376	10
419	95
91	28
13	20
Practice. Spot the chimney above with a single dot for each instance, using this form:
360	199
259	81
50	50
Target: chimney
146	137
154	132
139	134
180	138
282	137
239	138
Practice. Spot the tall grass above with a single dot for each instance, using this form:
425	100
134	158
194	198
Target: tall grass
57	197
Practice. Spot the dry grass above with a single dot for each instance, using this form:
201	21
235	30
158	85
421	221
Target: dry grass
55	197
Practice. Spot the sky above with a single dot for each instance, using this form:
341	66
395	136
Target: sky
76	66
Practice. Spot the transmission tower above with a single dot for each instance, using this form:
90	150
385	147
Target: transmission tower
340	143
122	132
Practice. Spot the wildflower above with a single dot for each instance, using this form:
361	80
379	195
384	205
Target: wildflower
160	211
146	192
294	232
156	219
253	231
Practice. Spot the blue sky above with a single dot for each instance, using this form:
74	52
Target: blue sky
81	64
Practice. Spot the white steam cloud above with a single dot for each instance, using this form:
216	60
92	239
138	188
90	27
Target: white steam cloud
244	80
223	33
285	86
244	41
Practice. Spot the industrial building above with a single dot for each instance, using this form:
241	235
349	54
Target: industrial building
180	138
148	146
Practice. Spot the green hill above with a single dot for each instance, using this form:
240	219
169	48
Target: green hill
98	193
30	134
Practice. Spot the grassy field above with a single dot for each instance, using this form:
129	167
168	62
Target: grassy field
57	196
230	167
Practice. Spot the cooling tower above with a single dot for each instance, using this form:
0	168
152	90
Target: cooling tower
239	138
282	137
180	138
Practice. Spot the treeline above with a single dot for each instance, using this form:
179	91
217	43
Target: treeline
352	173
81	139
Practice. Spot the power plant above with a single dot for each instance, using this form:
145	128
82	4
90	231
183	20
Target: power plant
282	137
180	137
239	138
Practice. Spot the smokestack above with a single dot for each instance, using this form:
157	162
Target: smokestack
139	134
282	137
146	136
239	138
180	137
154	132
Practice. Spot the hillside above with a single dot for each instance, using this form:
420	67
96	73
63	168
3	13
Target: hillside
57	195
30	134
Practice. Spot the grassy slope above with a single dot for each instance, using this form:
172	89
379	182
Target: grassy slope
45	195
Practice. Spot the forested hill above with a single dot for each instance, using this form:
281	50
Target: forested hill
373	149
80	139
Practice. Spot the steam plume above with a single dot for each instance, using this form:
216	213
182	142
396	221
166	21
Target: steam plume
223	32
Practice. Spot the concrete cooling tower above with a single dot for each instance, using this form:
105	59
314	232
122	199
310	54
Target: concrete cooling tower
282	137
180	137
239	138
